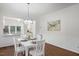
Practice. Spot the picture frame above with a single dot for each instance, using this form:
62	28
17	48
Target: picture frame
54	25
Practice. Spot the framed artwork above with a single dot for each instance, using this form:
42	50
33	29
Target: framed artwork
54	25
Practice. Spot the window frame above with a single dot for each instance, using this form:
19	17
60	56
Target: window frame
15	31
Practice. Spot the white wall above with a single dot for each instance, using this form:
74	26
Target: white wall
4	41
10	21
8	40
1	25
68	37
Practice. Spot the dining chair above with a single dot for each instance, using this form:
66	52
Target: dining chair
17	47
39	49
39	36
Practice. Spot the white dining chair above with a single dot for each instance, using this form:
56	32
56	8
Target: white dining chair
39	49
17	47
39	36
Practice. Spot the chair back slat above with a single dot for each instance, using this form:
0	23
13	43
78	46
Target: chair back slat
40	46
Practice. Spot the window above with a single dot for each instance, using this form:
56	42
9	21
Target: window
18	29
12	30
6	30
12	26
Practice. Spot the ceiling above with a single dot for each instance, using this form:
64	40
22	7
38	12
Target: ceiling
36	9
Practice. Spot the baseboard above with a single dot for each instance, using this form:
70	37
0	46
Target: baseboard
7	46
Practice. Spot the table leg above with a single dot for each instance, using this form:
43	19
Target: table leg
26	52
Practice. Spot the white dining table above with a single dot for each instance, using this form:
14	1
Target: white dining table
27	45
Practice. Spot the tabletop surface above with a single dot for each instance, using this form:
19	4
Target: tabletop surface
28	43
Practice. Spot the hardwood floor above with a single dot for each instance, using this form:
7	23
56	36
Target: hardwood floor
50	50
7	51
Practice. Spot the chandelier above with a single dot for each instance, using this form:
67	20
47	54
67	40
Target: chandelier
28	20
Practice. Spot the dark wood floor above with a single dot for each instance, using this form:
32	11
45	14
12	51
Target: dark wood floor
7	51
50	50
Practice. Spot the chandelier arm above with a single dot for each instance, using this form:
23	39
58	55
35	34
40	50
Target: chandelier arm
28	10
28	14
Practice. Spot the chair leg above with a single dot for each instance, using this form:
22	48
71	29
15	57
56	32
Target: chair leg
23	52
43	54
15	54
